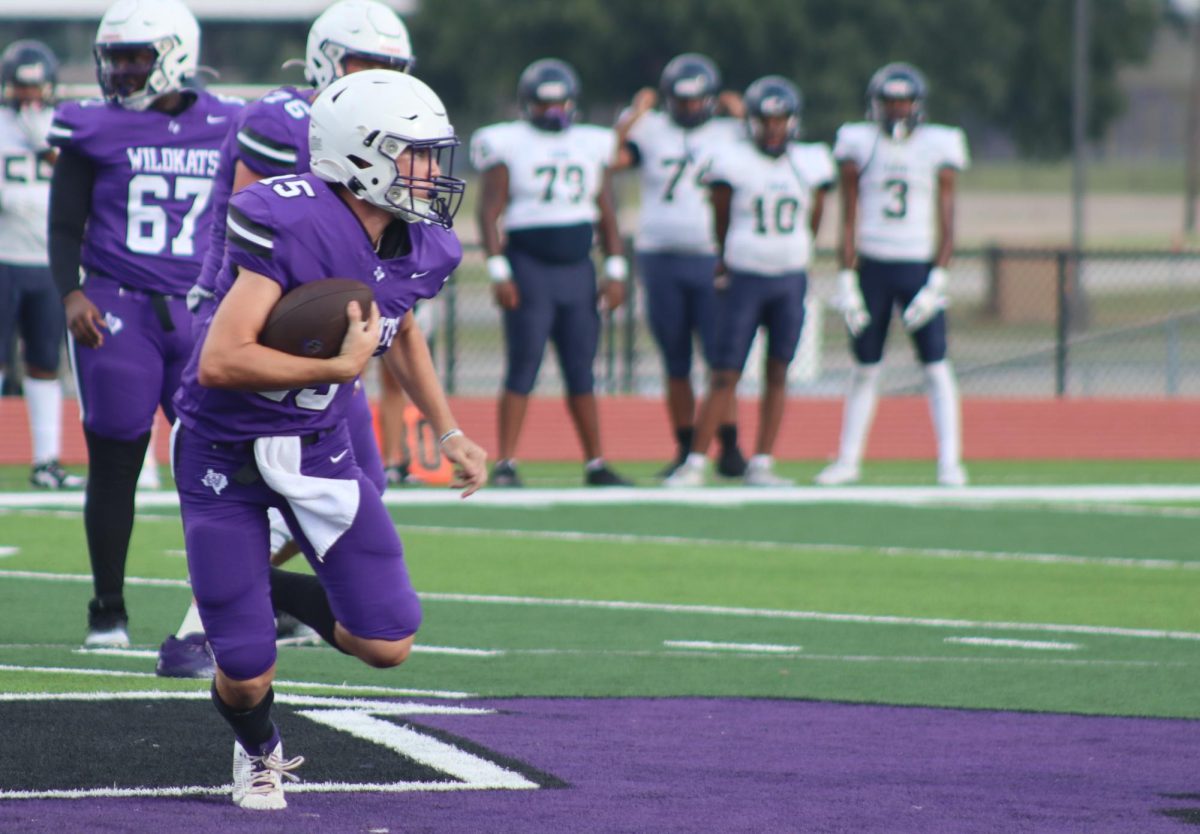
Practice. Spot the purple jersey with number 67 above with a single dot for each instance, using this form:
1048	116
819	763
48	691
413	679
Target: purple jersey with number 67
148	227
294	230
270	137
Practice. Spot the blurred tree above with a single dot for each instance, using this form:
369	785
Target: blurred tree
1005	64
1000	63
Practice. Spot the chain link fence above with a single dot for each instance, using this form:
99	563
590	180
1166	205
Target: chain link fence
1023	323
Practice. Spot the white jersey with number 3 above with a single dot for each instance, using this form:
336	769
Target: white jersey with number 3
772	199
897	186
672	161
554	177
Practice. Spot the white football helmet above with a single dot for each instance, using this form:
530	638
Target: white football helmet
364	29
359	130
165	27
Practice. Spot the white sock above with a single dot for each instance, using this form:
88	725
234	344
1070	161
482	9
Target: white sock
695	460
191	622
944	408
761	462
593	465
280	533
43	400
859	413
151	460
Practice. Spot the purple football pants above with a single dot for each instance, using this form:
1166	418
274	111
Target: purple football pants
224	501
139	365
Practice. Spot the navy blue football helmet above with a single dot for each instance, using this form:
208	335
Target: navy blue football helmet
688	78
27	63
896	82
773	95
548	93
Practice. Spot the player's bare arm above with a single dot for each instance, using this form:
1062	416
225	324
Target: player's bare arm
492	203
244	176
848	189
409	361
730	103
818	211
233	358
721	198
643	102
947	179
616	268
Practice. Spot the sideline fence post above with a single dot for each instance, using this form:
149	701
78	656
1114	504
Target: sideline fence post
630	346
1060	345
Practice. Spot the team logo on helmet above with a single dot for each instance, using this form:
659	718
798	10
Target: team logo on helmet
689	84
548	94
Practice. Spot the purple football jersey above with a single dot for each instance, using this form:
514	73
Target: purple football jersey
270	137
150	215
295	230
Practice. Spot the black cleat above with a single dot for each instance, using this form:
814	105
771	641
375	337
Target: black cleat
731	464
604	477
504	474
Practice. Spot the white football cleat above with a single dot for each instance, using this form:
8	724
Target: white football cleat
690	473
116	637
838	473
764	476
952	475
258	780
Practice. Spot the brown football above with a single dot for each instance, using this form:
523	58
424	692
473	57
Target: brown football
311	319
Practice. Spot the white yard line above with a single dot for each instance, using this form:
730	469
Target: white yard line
1037	645
705	645
723	497
867	549
714	610
814	616
866	658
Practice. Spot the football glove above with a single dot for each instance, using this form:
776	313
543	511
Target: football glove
927	303
849	300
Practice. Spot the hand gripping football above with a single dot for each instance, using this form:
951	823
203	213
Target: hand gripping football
311	319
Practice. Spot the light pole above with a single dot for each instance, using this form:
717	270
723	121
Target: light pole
1079	111
1189	10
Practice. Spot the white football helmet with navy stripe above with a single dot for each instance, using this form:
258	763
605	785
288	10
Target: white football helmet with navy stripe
360	128
363	29
166	28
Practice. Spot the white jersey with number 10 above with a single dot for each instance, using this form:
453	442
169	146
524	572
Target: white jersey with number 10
772	201
897	186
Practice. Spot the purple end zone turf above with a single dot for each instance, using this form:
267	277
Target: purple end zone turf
709	765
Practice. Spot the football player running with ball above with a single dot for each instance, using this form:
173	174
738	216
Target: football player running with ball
270	138
259	428
130	204
676	254
768	195
897	181
549	178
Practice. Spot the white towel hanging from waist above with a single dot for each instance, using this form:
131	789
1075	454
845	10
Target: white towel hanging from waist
324	507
